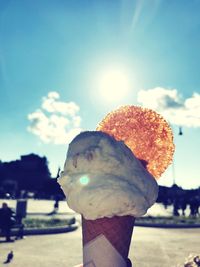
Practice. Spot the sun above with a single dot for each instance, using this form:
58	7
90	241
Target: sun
114	85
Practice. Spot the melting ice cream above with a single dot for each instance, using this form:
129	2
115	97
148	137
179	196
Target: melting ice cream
102	178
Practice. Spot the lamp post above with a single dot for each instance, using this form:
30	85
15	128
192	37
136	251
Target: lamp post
180	131
173	163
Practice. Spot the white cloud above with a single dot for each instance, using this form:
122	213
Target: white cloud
56	121
169	103
51	104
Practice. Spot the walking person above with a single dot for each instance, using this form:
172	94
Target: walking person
6	220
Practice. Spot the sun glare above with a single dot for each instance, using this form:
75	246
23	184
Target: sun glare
114	85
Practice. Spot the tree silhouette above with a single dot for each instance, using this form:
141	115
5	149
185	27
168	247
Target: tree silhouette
29	173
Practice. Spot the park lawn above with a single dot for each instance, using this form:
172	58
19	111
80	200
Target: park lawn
177	220
44	223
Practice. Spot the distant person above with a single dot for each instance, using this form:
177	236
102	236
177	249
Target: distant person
56	205
194	206
176	207
183	205
6	220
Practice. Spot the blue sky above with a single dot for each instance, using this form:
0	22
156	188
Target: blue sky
57	56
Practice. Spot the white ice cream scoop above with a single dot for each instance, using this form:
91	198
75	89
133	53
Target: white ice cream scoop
102	178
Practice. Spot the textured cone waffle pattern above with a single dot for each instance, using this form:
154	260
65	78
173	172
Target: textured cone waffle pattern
118	230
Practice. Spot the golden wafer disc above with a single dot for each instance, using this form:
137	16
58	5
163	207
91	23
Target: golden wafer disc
145	132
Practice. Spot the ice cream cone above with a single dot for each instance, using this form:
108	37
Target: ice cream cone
108	239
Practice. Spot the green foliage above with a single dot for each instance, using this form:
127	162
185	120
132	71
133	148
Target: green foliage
180	220
55	222
42	223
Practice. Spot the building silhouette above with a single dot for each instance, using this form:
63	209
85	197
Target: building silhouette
28	174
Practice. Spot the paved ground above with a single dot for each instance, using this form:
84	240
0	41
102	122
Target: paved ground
150	247
46	206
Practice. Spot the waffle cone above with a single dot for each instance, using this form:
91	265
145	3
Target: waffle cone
117	230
